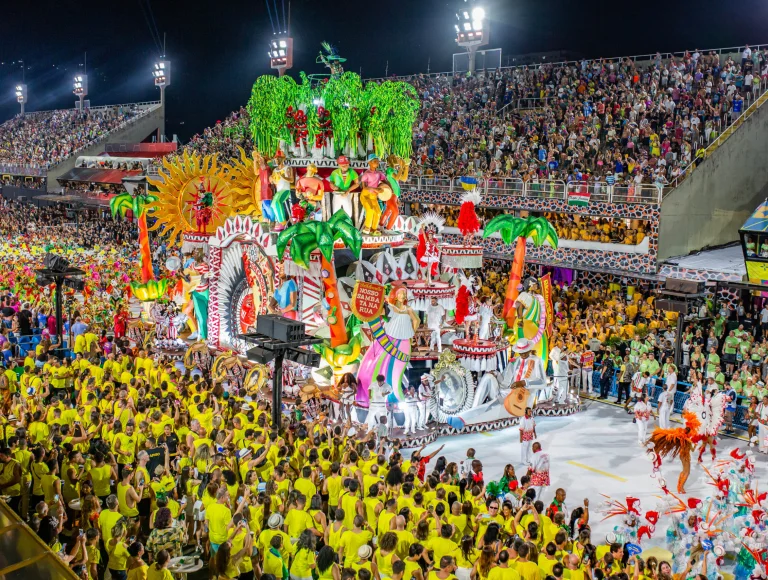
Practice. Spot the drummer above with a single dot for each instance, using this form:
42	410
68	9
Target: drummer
372	179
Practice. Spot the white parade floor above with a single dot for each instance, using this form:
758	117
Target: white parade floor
592	452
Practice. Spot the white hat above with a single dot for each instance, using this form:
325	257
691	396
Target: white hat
245	407
364	552
275	521
523	345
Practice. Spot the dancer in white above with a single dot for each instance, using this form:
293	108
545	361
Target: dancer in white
411	411
560	373
485	312
424	394
525	371
435	315
587	364
762	423
643	412
527	435
378	401
539	469
666	402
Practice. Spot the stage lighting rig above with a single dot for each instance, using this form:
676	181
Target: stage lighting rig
471	29
21	96
281	54
161	74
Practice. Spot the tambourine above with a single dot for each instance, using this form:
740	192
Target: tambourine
173	263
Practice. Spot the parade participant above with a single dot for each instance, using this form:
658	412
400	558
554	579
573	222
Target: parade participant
435	316
466	307
538	469
379	391
559	360
411	411
282	178
527	435
428	249
587	362
425	395
261	167
643	412
485	312
343	182
372	180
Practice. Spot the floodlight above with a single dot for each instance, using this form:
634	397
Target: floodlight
478	13
456	26
281	52
283	44
477	25
467	26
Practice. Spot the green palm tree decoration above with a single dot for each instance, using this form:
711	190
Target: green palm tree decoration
305	238
510	228
149	289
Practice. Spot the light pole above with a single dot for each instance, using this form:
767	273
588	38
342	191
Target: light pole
161	73
80	88
471	30
21	96
281	54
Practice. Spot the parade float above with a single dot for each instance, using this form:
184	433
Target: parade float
309	227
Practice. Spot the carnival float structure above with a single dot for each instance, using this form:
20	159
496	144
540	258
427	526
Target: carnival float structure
309	226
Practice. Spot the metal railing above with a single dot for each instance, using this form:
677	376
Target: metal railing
665	56
645	193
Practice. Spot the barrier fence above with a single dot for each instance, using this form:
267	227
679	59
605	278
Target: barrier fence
645	193
681	397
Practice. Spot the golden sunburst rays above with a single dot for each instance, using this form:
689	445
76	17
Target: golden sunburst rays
197	194
246	183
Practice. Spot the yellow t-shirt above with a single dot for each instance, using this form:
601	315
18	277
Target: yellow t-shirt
154	574
302	564
499	573
118	555
350	543
218	517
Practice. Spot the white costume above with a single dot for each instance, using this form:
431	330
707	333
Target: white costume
666	402
642	418
485	312
527	433
411	411
424	395
530	371
378	405
560	374
342	200
435	315
762	413
539	472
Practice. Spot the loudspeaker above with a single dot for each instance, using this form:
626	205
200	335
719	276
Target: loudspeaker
678	306
259	355
280	328
686	286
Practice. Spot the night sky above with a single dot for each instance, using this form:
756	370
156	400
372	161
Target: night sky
218	48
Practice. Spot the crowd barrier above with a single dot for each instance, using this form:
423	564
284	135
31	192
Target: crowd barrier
681	397
644	193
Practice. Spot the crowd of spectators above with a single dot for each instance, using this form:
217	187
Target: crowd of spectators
43	139
611	120
112	163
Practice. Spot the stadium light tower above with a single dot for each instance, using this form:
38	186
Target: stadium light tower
21	96
471	30
281	54
161	73
80	87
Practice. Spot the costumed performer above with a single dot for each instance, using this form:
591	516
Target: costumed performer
411	410
538	470
390	350
485	313
377	408
372	180
425	396
527	435
282	178
559	359
526	378
343	181
466	307
428	249
196	306
261	167
468	223
435	316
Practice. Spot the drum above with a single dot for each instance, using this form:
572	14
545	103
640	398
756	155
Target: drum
384	192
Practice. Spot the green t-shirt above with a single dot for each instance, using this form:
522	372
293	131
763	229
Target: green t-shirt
730	345
720	379
337	179
736	386
653	367
712	362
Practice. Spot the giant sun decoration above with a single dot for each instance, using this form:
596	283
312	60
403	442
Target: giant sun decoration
195	194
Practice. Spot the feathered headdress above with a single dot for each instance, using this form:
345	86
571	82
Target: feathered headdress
432	221
468	222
